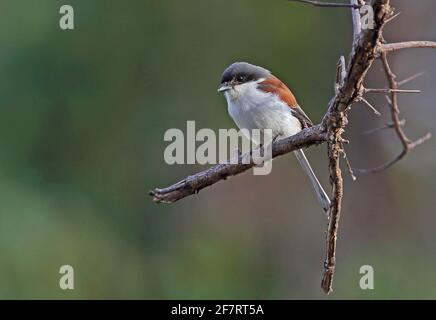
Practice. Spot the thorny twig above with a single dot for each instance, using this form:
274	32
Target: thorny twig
388	125
390	90
397	123
329	4
367	46
373	109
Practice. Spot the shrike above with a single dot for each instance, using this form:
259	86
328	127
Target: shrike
257	99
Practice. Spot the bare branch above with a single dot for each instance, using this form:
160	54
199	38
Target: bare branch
394	98
382	167
419	141
409	79
367	46
361	58
387	165
334	149
376	112
406	45
389	125
407	144
386	90
388	99
193	184
328	4
347	162
393	17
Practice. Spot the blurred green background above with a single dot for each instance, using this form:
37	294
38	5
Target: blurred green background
82	119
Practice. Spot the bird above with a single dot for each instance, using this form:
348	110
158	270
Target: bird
256	99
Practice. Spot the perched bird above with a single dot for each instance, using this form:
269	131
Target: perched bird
257	99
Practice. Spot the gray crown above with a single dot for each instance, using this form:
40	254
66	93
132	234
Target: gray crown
244	72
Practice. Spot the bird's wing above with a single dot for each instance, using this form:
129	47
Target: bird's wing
302	116
274	85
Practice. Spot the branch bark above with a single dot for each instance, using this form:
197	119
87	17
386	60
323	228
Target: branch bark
363	54
193	184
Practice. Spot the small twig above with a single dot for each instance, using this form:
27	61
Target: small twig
382	167
347	163
387	90
388	47
328	4
419	141
393	17
334	147
388	99
389	125
376	112
407	144
387	165
348	89
409	79
394	98
193	184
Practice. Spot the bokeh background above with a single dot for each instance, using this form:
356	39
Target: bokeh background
82	119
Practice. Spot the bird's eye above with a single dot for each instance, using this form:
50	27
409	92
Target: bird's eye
240	78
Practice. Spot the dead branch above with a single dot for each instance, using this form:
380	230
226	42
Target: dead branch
334	148
373	109
329	4
388	125
193	184
366	47
390	90
406	45
407	144
363	54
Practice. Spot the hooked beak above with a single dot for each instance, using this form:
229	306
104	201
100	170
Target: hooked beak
224	87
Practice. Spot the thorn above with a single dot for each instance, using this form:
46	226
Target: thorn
393	17
329	4
376	112
388	99
348	164
411	78
420	141
389	125
387	90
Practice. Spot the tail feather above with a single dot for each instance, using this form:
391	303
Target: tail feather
320	193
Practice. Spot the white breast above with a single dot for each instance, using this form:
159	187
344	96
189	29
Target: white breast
251	108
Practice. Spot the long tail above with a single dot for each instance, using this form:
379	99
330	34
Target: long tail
320	193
